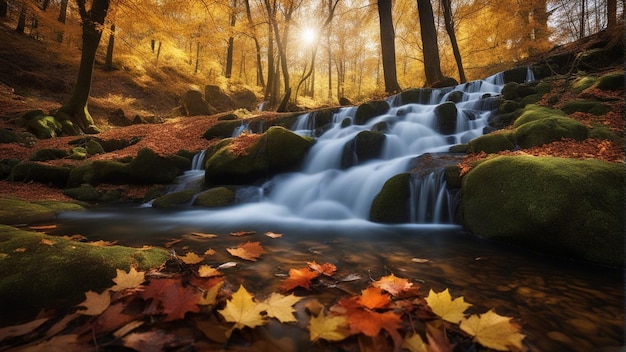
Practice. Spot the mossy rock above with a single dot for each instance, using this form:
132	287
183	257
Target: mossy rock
15	211
583	83
526	89
223	129
7	136
603	132
44	127
32	114
175	199
215	197
492	143
416	96
543	88
586	106
48	154
508	106
456	96
149	168
366	145
548	130
611	81
509	91
99	171
369	110
446	115
452	175
78	153
85	193
535	112
39	172
530	99
93	147
391	204
278	150
516	74
58	275
568	207
458	148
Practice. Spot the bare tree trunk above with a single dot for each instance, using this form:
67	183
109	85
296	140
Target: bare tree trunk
21	22
45	4
449	23
260	80
330	67
198	45
231	41
108	63
611	13
583	18
432	66
62	18
388	47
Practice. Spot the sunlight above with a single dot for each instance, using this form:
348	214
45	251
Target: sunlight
308	35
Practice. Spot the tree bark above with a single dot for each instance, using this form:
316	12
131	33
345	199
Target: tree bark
611	13
231	42
75	109
260	80
4	8
449	22
108	62
45	4
21	22
432	65
388	47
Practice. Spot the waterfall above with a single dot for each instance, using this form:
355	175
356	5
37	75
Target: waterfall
338	181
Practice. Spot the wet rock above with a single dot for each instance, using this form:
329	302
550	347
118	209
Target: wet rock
369	110
15	211
492	143
42	173
446	118
367	145
391	204
174	199
548	130
149	168
215	197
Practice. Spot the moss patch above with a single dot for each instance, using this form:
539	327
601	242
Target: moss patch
391	204
535	112
548	130
15	211
492	143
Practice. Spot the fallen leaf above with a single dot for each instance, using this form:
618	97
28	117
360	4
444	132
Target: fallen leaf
414	343
4	255
373	298
248	251
102	243
329	328
445	307
242	310
314	307
22	329
208	271
19	250
78	238
43	227
209	297
47	242
299	277
438	339
420	260
191	258
95	303
327	269
170	297
273	235
125	280
62	343
370	322
493	331
209	251
153	341
227	265
112	318
393	284
351	277
126	329
202	235
280	307
242	233
172	242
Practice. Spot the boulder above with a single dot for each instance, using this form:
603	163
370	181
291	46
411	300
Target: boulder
369	110
216	98
44	127
367	145
587	106
343	101
39	172
446	118
215	197
149	168
99	171
48	154
568	207
174	199
611	81
194	104
278	150
85	193
535	112
492	143
245	99
391	204
15	211
548	130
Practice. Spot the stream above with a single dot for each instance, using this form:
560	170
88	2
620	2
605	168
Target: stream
322	213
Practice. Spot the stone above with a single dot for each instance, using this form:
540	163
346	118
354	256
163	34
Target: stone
194	104
39	172
365	146
48	154
218	99
492	143
446	118
367	111
391	204
548	130
174	199
215	197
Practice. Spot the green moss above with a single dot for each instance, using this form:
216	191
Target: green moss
78	153
40	172
530	99
41	275
587	106
453	178
150	168
44	127
583	83
367	111
533	112
548	130
603	132
93	147
611	81
492	143
48	154
508	106
215	197
175	199
543	88
567	206
99	171
86	193
509	91
15	211
391	204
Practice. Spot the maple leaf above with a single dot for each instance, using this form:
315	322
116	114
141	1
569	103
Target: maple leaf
280	307
373	298
208	271
414	343
102	243
299	277
191	258
209	251
249	251
112	318
370	323
242	310
171	298
437	338
123	280
493	331
445	307
209	297
392	284
327	269
330	328
95	303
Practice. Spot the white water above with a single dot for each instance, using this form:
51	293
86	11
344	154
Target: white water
322	190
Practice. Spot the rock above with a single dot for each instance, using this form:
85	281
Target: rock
44	127
508	106
99	171
219	100
517	74
278	150
367	145
586	106
567	207
223	129
417	96
583	83
58	275
78	153
174	199
509	91
446	82
42	173
492	143
391	204
150	168
7	136
245	99
48	154
194	104
536	112
15	211
93	148
548	130
343	101
456	96
367	111
85	193
446	118
611	81
118	118
215	197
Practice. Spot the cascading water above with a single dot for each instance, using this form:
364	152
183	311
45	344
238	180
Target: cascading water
335	183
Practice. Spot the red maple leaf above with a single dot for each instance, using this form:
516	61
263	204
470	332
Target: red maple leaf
170	297
327	269
299	277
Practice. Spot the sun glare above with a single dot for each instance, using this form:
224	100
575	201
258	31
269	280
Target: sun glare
308	35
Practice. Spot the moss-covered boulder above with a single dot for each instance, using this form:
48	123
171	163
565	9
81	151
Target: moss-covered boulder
509	91
391	204
175	199
492	143
99	171
215	197
44	127
15	211
446	114
367	145
222	129
39	172
369	110
150	168
588	106
48	154
93	147
611	81
569	207
57	272
278	150
85	193
535	112
548	130
583	83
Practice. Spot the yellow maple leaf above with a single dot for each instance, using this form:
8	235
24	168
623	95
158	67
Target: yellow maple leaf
95	303
242	310
414	343
125	280
445	307
209	297
280	307
330	328
191	258
494	331
208	271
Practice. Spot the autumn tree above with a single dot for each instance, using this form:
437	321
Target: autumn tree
75	109
449	23
430	49
387	44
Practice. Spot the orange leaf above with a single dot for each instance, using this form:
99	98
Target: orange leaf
373	298
47	242
248	251
208	271
172	242
299	277
370	323
242	233
96	303
393	284
171	298
273	235
327	269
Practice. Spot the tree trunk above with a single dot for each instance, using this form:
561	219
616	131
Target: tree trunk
76	108
62	18
260	80
583	18
449	21
432	66
45	4
231	42
4	8
21	22
388	47
108	62
197	56
611	13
